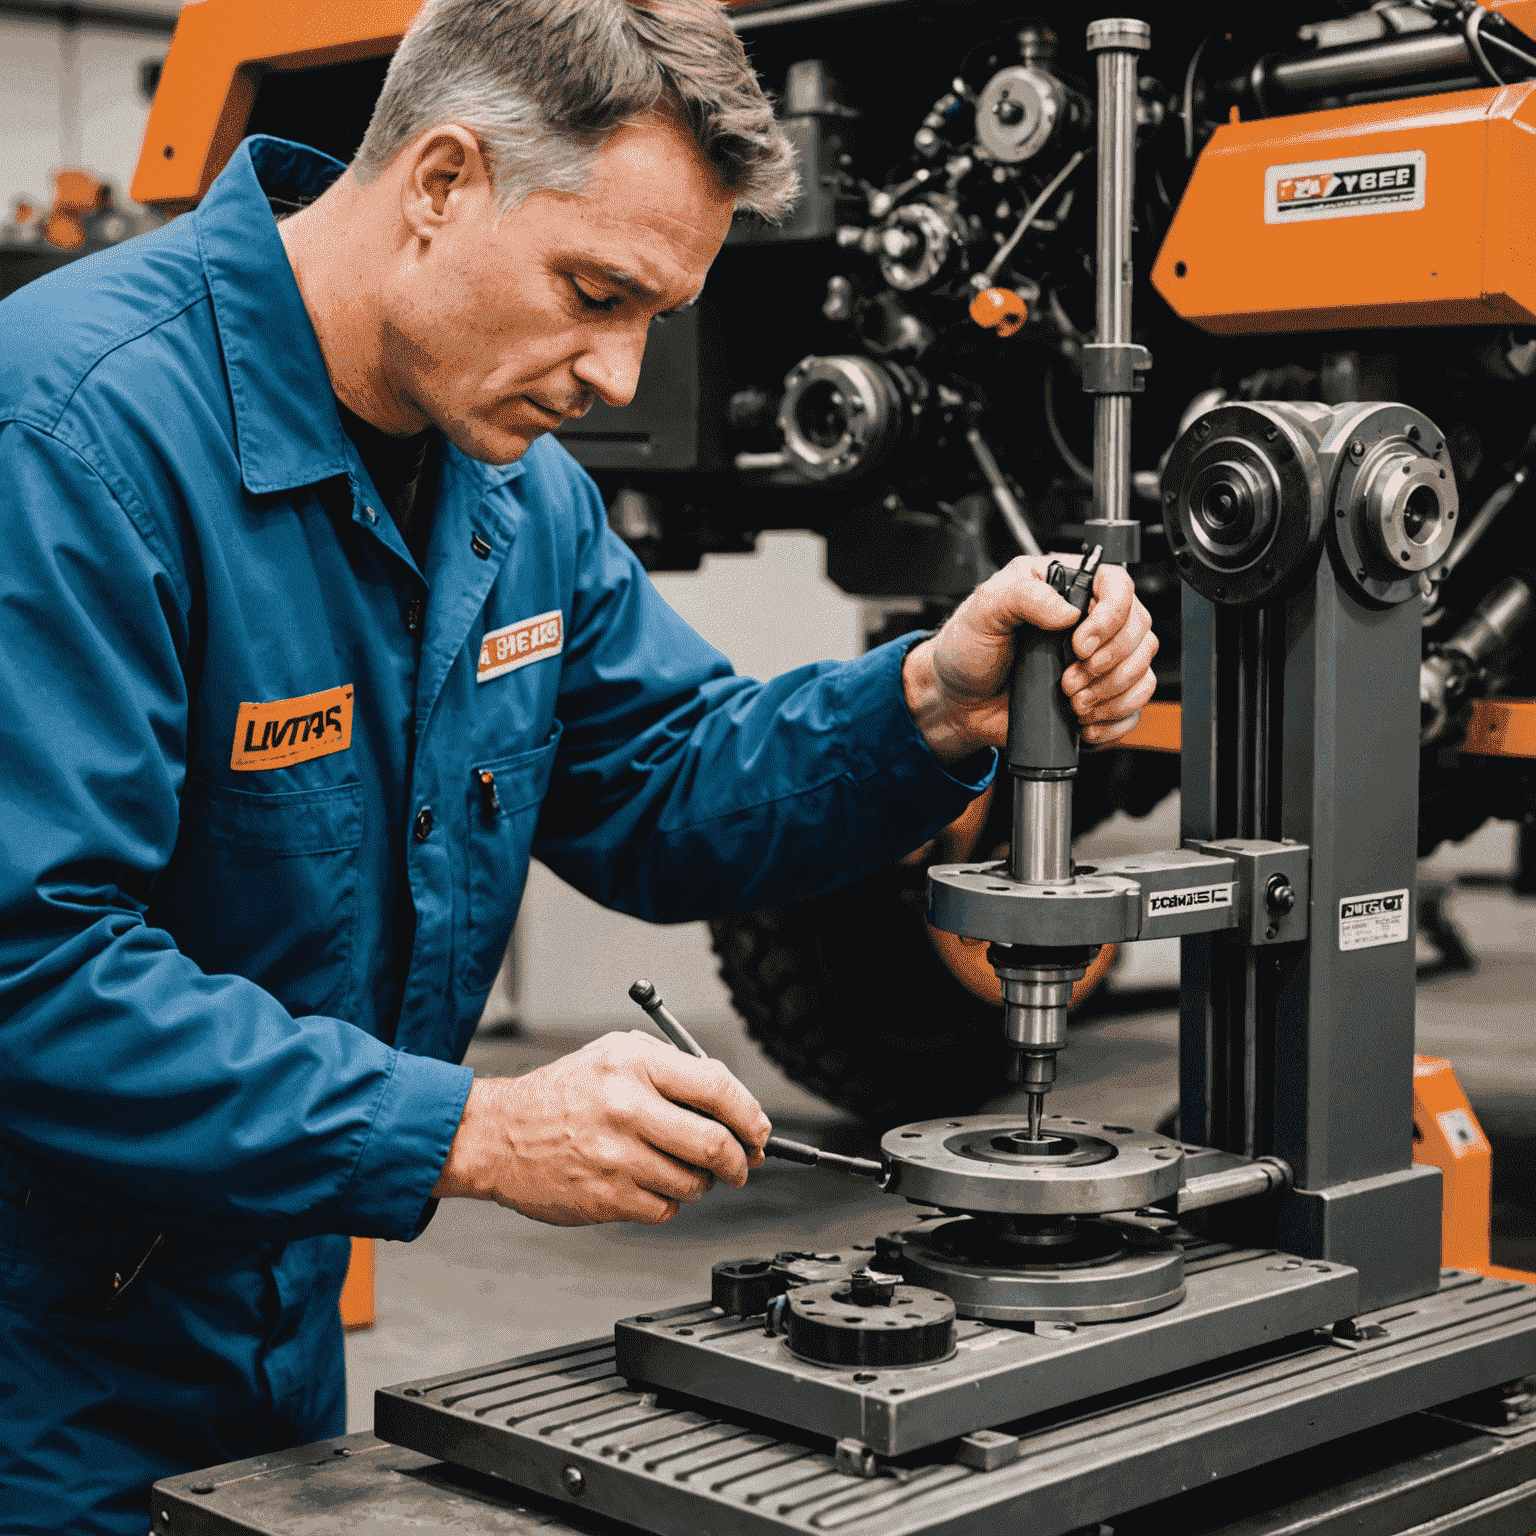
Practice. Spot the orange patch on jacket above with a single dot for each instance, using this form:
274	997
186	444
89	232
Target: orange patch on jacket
289	731
516	645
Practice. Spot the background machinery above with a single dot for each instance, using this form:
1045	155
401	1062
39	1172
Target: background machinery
1328	205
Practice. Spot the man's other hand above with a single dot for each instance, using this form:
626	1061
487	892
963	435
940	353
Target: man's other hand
608	1133
956	684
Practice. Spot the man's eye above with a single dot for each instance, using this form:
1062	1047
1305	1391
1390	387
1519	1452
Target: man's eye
591	301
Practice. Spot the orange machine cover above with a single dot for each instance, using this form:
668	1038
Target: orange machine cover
219	54
1265	240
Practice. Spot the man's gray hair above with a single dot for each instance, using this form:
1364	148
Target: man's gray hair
542	83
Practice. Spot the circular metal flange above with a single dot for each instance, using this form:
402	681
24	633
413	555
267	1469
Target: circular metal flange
915	243
958	1166
1108	1272
909	1325
1394	503
839	415
1243	503
1016	113
982	901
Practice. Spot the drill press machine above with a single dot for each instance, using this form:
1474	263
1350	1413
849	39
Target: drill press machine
1092	1317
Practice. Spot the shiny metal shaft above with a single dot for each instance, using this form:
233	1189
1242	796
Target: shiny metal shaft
1118	44
1042	832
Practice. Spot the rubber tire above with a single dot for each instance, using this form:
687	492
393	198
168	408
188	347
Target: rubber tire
847	995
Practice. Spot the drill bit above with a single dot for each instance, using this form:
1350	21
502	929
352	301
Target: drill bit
1036	1105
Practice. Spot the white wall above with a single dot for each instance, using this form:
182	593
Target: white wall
70	97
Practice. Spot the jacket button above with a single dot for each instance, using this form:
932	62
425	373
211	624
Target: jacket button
424	824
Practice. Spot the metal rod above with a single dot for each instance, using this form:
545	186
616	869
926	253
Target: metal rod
646	995
1256	1178
1002	494
1422	56
1042	832
1117	44
1480	523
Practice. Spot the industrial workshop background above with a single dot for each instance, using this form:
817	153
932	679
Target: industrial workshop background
76	87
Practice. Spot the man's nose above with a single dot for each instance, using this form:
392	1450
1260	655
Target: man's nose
610	367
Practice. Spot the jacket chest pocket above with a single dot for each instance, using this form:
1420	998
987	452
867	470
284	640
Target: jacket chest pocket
266	887
504	798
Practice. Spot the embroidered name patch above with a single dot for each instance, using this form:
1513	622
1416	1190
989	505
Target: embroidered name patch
519	645
289	731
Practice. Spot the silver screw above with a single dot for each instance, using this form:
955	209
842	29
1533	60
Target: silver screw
572	1480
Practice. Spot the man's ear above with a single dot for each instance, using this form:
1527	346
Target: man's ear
445	168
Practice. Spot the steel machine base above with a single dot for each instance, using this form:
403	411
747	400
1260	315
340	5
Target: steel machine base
567	1425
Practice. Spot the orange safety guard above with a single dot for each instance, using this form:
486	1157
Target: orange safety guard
357	1309
1466	257
1446	1136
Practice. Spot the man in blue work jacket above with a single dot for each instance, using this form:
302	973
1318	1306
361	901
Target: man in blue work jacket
309	637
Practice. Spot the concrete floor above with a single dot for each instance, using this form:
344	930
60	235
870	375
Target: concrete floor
483	1283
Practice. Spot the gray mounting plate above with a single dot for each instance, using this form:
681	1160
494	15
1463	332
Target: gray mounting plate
571	1428
1235	1299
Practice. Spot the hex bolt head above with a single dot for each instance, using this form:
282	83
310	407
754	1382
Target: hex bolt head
572	1480
1357	449
1279	896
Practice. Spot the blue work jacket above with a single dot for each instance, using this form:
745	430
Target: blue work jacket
265	827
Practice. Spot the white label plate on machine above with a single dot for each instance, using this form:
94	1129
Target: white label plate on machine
1345	189
1193	898
1378	917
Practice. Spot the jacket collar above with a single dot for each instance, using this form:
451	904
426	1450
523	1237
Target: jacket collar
287	431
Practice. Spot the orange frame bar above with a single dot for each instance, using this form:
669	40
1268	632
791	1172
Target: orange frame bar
218	55
1499	728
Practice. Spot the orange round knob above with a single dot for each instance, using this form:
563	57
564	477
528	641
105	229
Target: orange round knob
1000	310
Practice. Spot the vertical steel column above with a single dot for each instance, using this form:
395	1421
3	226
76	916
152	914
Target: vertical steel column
1112	361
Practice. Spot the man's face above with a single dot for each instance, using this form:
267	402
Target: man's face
501	325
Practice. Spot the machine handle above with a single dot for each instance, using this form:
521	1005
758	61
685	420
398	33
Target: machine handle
1042	736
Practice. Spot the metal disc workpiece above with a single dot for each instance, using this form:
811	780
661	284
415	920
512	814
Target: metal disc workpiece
984	1163
1100	1271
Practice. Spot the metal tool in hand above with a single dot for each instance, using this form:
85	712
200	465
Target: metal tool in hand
1042	759
644	993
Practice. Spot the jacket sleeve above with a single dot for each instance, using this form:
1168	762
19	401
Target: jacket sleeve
683	791
193	1101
